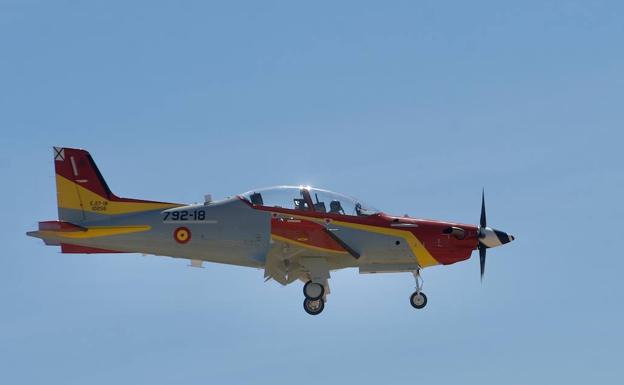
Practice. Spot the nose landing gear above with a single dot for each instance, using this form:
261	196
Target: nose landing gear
418	299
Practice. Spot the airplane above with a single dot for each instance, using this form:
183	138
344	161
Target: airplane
291	232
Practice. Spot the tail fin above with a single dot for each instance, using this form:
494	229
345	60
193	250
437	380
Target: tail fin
83	194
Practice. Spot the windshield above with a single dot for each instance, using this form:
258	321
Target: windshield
306	198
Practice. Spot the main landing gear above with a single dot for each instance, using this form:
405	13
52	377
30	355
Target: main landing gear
418	299
314	302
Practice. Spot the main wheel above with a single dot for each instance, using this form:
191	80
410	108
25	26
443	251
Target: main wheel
418	300
313	307
313	290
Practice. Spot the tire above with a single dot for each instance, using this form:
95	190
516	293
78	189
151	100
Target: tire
314	296
307	306
418	300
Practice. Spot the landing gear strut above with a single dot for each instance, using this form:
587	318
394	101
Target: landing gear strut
418	299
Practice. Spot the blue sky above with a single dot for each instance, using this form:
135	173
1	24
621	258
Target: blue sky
413	106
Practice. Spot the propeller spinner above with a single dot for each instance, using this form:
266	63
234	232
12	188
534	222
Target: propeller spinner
489	237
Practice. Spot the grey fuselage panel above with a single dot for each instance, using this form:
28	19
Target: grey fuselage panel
228	231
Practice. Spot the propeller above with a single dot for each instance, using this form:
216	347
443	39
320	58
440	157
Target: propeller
489	237
482	226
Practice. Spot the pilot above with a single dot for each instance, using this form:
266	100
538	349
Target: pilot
358	209
335	207
256	199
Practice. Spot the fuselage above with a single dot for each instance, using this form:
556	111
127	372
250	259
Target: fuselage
235	231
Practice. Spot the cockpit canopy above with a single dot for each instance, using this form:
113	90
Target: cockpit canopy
306	198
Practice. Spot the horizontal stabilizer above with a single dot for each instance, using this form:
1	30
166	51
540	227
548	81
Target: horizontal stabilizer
57	232
60	226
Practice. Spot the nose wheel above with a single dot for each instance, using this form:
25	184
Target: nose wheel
418	299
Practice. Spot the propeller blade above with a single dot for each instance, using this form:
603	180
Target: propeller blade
482	251
483	222
482	234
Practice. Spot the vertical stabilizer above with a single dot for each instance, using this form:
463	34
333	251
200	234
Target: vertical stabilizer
82	192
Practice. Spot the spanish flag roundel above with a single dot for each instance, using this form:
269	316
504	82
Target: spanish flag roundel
182	235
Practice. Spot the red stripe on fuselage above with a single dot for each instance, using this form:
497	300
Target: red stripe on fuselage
306	232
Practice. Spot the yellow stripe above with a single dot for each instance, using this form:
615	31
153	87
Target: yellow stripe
73	196
95	232
305	245
423	256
